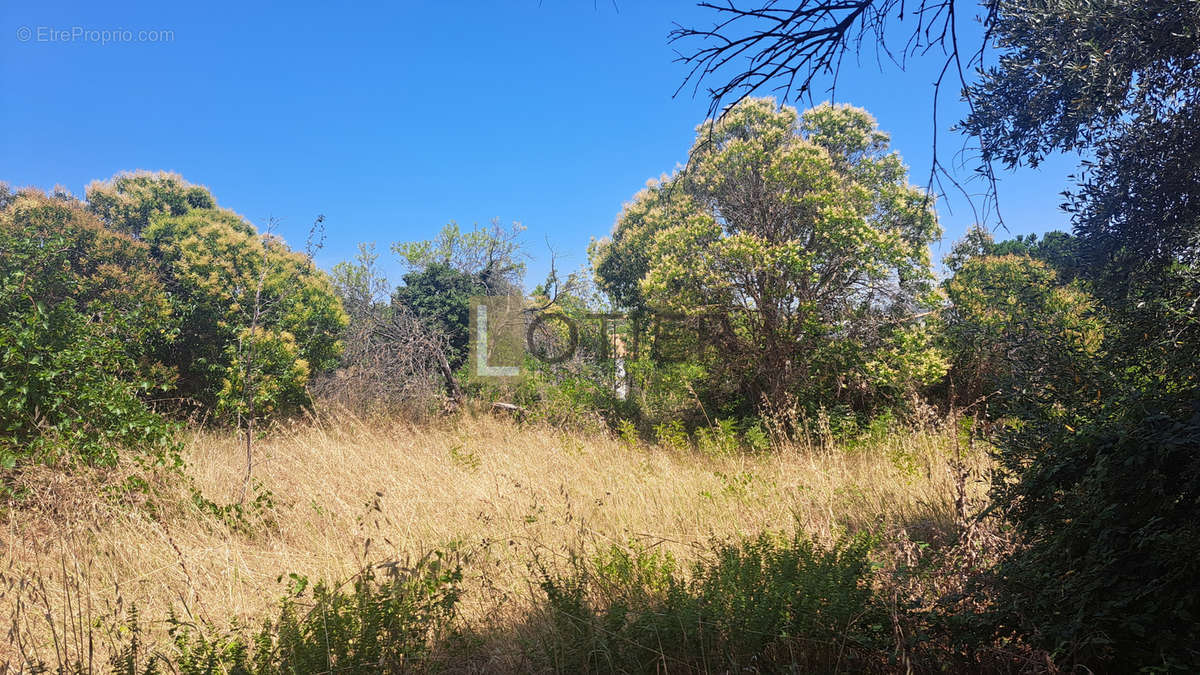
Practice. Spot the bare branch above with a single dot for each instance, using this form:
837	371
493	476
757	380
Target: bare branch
787	48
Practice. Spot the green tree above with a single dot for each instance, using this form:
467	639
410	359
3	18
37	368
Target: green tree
78	306
490	254
1013	329
1103	493
440	296
128	201
444	272
232	290
232	286
796	248
1058	249
360	284
1107	499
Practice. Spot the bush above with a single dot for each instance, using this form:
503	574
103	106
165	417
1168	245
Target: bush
226	277
80	308
1012	325
767	604
1109	509
227	281
388	621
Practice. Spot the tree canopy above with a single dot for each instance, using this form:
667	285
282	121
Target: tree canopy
81	310
128	201
222	272
795	245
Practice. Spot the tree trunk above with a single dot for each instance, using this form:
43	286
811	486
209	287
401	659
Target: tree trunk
454	391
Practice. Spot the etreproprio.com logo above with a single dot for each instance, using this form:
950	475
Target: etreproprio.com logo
86	34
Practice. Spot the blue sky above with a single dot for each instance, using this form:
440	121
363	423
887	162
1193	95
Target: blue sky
395	118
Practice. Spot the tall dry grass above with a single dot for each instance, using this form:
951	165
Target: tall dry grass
347	491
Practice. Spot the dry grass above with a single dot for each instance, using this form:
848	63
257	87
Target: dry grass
352	491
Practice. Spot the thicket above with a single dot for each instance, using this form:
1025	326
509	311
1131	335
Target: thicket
768	603
82	310
1101	472
145	303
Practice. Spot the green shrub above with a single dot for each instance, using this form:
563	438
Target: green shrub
570	400
767	604
719	439
1109	509
1013	324
672	436
80	309
388	620
225	278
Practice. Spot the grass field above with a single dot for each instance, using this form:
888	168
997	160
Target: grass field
505	499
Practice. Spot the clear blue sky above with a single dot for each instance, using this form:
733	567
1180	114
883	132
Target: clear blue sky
395	118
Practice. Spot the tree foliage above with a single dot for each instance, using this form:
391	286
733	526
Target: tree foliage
1099	474
491	254
221	271
1105	490
1013	329
439	296
80	307
444	272
360	283
128	201
795	247
1075	74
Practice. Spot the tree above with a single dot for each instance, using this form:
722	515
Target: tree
797	249
440	297
1120	79
128	201
235	293
445	272
79	306
360	284
233	287
1057	249
490	254
1107	500
1014	330
1103	492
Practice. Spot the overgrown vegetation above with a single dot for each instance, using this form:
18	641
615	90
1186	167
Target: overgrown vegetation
768	603
388	618
81	312
834	518
769	308
789	234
